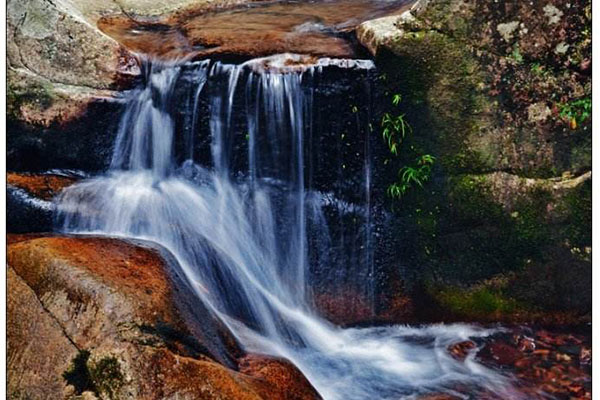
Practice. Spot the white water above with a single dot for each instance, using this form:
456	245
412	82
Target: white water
241	241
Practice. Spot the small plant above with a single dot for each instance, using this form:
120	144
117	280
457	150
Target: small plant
411	176
576	112
516	55
539	70
395	131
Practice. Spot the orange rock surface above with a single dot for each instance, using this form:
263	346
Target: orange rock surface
257	29
42	186
114	299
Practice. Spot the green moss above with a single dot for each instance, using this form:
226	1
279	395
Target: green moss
39	95
103	377
530	219
441	84
575	209
107	376
464	234
468	107
476	302
472	200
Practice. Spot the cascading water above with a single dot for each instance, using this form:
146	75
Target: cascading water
246	241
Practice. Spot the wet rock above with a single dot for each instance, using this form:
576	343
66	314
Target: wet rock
462	349
543	371
502	353
29	200
526	344
84	143
320	29
26	213
116	324
486	94
282	379
344	308
44	186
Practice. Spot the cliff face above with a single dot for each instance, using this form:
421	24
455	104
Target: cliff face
500	94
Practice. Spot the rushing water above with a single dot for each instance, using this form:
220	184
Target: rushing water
246	241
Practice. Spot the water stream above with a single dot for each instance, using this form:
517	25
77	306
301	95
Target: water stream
248	239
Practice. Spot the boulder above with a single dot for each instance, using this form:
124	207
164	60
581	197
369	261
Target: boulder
319	29
115	324
500	95
58	62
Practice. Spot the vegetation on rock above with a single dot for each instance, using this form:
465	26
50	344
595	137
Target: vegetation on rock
503	103
397	134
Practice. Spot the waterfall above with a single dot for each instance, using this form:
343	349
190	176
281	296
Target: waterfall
247	239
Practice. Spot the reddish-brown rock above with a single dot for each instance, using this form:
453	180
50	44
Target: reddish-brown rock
111	305
259	30
282	380
44	186
548	365
37	350
462	349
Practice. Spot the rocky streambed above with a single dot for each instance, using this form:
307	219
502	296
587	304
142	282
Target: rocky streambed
107	318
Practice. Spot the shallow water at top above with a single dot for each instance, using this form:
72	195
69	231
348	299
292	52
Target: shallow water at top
318	28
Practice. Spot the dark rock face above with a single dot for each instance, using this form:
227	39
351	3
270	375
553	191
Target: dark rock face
26	213
341	141
83	143
29	200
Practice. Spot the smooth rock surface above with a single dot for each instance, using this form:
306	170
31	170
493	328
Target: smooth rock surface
58	62
256	30
114	300
37	350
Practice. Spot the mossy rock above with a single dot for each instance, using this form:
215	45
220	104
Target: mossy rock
486	301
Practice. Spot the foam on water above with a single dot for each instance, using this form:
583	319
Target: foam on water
241	241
